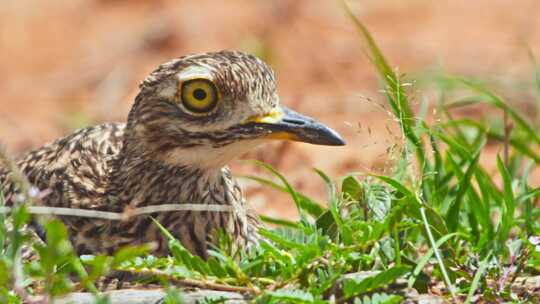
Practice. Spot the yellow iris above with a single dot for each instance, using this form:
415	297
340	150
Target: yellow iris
199	95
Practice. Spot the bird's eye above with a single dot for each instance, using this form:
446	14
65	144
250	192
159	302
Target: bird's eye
199	95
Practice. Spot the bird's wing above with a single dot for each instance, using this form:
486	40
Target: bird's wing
73	170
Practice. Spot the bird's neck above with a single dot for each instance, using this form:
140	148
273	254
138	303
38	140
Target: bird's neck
139	179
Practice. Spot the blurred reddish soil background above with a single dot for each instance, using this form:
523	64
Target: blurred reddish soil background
69	64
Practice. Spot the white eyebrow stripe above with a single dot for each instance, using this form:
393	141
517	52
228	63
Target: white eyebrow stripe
194	71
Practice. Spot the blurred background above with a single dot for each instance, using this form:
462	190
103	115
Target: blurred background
71	64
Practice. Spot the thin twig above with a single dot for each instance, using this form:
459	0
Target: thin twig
122	216
192	282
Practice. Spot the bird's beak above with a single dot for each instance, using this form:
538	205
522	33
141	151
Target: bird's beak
286	124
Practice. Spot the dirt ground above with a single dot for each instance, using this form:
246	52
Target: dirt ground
69	64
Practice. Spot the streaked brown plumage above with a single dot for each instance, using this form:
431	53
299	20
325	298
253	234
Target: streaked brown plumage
192	115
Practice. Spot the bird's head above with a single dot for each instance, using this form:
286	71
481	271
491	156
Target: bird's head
207	109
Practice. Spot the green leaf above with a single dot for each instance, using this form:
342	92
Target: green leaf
216	268
101	299
129	253
295	295
352	188
286	237
20	216
379	298
327	224
56	234
173	296
182	255
99	265
379	201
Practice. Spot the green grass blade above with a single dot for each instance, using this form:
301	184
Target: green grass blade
438	255
394	89
501	104
531	194
278	221
516	143
290	189
312	207
395	184
527	203
427	256
452	217
507	216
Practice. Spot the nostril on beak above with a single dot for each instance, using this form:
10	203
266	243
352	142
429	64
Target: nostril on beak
293	121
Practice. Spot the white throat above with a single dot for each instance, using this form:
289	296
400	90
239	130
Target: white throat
209	158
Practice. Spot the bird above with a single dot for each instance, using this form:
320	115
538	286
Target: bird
191	117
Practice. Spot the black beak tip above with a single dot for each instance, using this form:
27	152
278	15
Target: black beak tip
335	139
327	137
340	142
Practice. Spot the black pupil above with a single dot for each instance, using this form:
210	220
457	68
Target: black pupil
199	94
